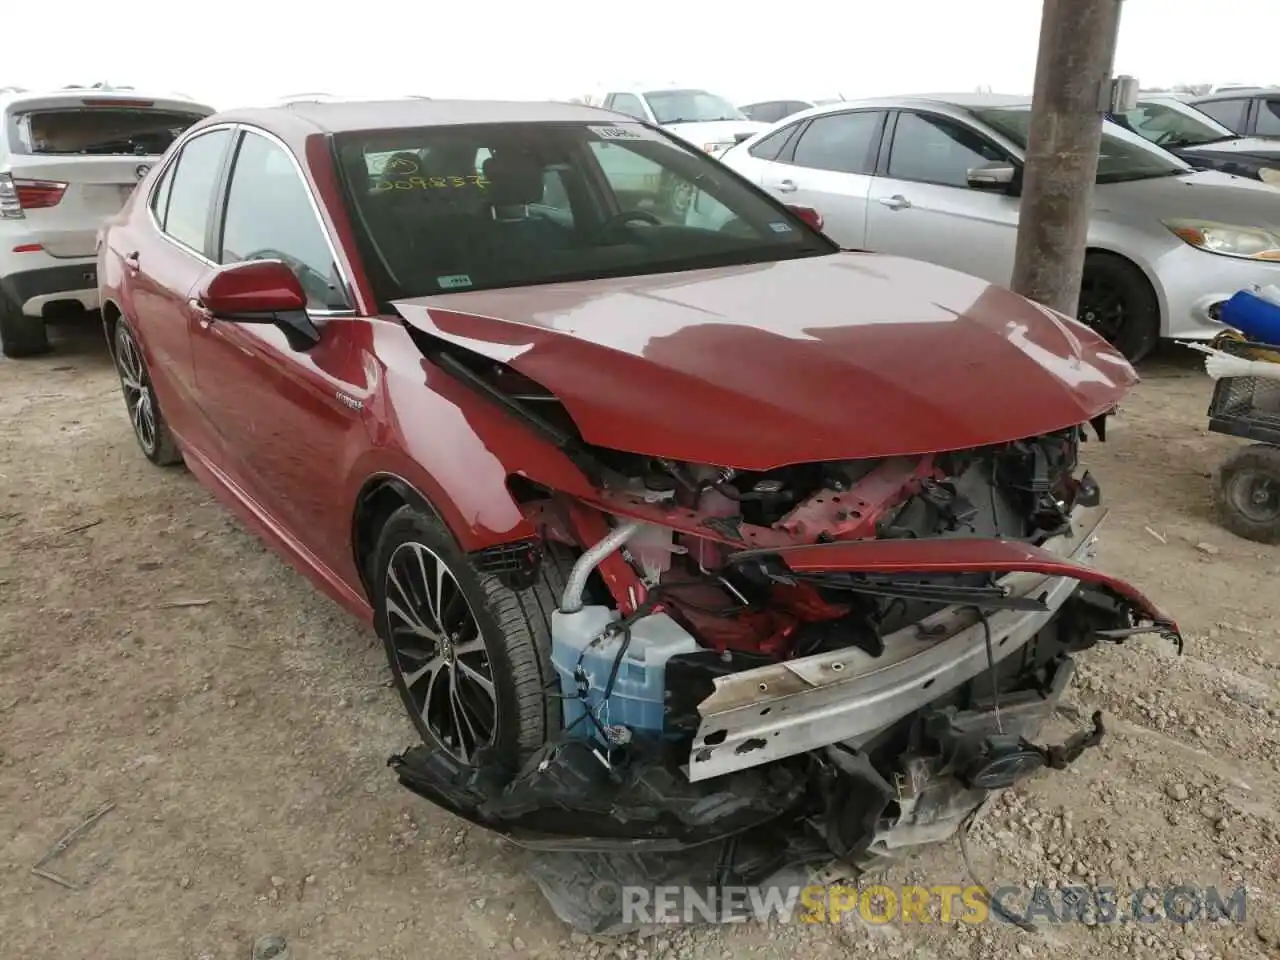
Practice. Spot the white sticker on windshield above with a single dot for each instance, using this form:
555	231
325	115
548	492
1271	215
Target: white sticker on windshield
779	226
453	281
616	133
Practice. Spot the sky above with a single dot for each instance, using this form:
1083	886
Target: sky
241	52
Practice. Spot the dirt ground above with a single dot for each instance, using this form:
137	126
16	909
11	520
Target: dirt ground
154	656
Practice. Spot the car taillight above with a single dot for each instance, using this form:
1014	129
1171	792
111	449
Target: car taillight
19	195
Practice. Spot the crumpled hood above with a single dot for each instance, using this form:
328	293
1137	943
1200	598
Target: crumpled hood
841	356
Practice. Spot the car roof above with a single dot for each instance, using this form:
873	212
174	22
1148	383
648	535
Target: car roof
16	96
962	101
1235	93
340	116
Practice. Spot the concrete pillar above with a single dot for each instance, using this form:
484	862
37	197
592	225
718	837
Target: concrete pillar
1077	48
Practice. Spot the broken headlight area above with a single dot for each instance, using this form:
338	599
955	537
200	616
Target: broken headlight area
848	656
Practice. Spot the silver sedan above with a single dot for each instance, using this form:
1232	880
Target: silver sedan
938	178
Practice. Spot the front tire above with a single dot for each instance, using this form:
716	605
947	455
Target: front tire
149	427
20	335
1119	303
469	656
1246	493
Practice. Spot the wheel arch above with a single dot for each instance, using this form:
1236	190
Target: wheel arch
111	314
1145	270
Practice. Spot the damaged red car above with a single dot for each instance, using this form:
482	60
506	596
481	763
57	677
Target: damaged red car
684	529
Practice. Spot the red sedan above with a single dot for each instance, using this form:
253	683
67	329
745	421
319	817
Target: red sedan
675	519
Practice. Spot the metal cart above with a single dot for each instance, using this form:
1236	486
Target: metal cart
1246	487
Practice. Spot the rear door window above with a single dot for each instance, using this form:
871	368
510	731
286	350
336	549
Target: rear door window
101	131
1268	123
1229	113
195	179
840	142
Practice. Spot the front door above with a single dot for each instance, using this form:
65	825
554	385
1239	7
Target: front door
923	207
288	417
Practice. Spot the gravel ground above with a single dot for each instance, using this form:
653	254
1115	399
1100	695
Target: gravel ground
154	656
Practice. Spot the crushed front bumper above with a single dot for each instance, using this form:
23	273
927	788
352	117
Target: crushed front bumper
847	696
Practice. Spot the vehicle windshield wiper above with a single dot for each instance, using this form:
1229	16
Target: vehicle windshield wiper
1140	175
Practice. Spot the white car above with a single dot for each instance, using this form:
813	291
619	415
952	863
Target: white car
69	159
706	120
938	178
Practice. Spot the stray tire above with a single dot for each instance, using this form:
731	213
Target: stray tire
20	335
1246	493
469	656
149	428
1118	302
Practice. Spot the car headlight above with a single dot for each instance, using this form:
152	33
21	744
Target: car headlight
1248	243
1270	175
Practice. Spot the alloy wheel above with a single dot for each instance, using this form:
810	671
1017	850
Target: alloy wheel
137	390
1102	308
439	653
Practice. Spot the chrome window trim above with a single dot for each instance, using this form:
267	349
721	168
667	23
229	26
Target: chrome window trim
348	287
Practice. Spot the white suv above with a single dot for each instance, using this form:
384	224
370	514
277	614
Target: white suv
69	159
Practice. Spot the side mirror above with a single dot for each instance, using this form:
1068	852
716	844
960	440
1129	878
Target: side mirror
992	176
809	215
260	291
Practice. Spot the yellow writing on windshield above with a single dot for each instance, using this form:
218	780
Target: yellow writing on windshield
430	183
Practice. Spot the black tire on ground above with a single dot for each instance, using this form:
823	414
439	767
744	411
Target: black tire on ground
514	628
20	335
1118	301
1246	493
157	443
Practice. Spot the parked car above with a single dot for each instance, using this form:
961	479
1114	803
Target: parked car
938	178
660	524
68	159
1200	140
771	111
704	119
1248	111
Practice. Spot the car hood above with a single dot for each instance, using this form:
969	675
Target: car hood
1208	195
833	357
1258	148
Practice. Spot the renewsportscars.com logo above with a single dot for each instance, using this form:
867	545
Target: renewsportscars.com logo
942	903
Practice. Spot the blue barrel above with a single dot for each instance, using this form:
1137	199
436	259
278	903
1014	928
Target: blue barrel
1257	318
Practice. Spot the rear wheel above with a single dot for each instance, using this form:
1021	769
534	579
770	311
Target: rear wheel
20	335
470	656
1119	303
1247	493
149	428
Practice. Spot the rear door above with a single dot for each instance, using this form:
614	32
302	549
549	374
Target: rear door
828	167
166	251
80	157
923	207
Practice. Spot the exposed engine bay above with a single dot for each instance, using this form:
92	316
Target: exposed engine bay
862	649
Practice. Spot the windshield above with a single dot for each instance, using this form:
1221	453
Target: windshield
1123	156
1167	125
445	209
101	131
690	106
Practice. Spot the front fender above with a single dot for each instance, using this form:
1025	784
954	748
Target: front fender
454	447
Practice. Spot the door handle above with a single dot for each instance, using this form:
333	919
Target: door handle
896	202
131	262
204	314
787	186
